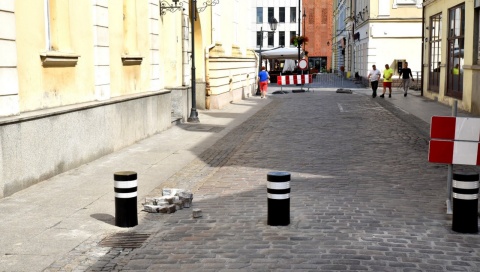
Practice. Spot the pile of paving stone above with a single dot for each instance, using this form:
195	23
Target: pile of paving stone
170	201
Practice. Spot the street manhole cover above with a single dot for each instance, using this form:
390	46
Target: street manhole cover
125	240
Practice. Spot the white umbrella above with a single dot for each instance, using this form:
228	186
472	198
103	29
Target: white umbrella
282	53
289	66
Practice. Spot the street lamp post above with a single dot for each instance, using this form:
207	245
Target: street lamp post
304	34
299	22
273	26
193	113
193	9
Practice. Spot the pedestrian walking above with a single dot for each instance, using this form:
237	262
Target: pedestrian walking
406	74
387	81
374	76
262	79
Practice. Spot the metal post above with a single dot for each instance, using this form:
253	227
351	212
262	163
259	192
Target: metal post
193	113
299	22
450	170
260	61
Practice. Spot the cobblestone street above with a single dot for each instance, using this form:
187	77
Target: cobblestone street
364	198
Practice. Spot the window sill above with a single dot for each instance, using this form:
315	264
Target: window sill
471	67
58	59
132	59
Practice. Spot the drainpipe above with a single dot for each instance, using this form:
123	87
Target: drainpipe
423	46
208	91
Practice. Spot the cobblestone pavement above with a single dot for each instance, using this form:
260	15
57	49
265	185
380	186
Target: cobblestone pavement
364	198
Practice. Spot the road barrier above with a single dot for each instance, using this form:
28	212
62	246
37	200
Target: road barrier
465	202
278	189
125	199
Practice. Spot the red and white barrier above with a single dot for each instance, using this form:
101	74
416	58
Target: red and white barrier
454	152
455	128
455	140
294	79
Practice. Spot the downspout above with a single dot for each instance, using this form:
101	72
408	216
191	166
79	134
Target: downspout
423	46
208	91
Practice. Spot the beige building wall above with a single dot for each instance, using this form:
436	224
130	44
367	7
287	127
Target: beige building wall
471	69
82	79
231	64
388	33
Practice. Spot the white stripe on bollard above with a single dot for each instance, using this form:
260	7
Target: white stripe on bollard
465	196
465	185
278	197
126	195
278	185
126	184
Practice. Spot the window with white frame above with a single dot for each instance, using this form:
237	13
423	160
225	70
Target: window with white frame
407	3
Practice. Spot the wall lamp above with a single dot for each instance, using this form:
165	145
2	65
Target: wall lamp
172	8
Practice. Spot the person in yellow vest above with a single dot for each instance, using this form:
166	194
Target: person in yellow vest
456	70
387	81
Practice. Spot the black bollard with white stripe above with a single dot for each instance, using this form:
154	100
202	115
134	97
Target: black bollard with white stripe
278	189
125	199
465	202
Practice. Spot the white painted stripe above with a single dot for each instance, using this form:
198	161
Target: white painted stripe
465	184
279	196
465	153
278	185
125	184
340	107
290	79
467	129
125	195
465	197
299	79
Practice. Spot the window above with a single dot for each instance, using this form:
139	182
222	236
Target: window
383	8
407	3
270	39
271	14
281	15
281	38
292	34
435	58
259	38
293	14
259	15
58	46
324	16
456	27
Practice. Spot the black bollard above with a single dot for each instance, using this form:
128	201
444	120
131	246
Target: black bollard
465	202
125	199
278	189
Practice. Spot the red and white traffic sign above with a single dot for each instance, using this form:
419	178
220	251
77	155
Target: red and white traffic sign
455	128
454	152
455	140
303	64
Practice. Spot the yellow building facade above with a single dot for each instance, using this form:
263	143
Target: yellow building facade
82	79
451	59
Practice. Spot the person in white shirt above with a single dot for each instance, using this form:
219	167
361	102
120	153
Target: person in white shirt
373	76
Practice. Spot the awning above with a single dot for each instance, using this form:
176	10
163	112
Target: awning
282	53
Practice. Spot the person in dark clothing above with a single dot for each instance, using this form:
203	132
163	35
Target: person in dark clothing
406	74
